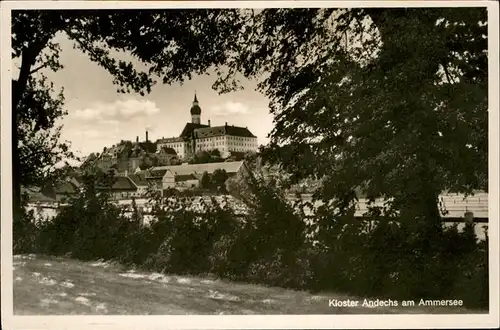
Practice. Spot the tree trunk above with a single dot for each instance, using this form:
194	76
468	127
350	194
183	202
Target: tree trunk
19	87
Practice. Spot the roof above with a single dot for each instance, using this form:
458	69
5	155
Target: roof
78	179
195	110
35	195
148	146
188	169
185	177
139	179
122	183
65	188
167	150
222	130
155	173
189	128
168	140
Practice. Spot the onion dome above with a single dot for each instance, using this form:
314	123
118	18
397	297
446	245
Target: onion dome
195	109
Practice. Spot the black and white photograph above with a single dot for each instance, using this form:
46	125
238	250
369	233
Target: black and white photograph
266	160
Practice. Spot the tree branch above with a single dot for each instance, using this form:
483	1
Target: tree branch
39	68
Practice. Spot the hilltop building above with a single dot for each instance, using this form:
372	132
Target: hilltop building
129	157
196	137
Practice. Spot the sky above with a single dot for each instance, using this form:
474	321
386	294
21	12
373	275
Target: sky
98	116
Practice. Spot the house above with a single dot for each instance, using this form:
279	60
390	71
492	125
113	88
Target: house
166	155
140	182
185	181
35	195
187	176
122	188
60	191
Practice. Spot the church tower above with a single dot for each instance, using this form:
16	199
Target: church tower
195	111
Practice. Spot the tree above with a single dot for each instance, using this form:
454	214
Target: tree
203	157
174	44
219	178
148	161
390	100
206	182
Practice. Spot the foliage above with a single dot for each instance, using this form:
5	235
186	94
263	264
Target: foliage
390	100
205	181
219	178
206	156
25	230
185	235
215	182
395	263
148	161
273	232
88	226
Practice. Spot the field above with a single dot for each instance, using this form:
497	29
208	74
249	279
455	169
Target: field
61	286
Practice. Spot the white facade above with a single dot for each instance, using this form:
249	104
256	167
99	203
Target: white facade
227	143
180	146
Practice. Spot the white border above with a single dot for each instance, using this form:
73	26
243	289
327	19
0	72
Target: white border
10	321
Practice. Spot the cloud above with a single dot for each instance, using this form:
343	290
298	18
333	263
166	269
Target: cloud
118	111
92	133
230	108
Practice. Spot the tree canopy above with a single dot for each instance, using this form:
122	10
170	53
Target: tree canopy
390	100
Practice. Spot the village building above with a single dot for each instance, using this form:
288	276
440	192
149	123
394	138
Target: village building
187	176
60	192
122	188
140	182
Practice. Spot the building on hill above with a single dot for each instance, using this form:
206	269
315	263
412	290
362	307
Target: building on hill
166	155
126	155
196	137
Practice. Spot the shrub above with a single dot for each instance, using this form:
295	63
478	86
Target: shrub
388	258
185	236
25	227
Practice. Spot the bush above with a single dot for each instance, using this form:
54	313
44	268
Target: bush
391	260
25	230
185	236
90	227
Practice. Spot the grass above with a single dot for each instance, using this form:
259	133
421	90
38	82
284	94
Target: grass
60	286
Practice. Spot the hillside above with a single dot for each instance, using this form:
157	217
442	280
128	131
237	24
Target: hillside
48	285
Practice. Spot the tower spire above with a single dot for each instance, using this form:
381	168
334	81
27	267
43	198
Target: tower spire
195	111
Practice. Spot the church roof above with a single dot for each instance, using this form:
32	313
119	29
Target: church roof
222	130
196	110
189	128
